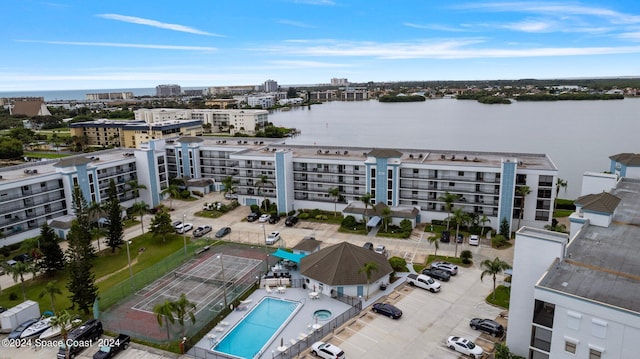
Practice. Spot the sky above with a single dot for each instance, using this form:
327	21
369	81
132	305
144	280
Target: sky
79	44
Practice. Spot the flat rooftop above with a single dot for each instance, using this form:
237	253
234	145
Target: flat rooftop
602	263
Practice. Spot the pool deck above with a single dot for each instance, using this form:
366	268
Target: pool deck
301	323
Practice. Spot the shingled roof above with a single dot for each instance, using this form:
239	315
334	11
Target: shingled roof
629	159
340	264
385	153
602	202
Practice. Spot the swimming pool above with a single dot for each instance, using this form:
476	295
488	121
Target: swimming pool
256	330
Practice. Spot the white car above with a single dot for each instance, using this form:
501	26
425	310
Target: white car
381	249
446	266
273	237
184	228
465	346
264	218
474	240
327	351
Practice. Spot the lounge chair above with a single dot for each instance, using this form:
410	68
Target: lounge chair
224	324
268	289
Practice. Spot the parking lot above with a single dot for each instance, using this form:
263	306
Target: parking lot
428	319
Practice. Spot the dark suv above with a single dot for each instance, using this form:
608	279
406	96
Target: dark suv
488	326
291	221
444	237
436	273
252	217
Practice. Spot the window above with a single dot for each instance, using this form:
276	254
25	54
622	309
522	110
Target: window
452	184
415	171
570	347
573	321
544	193
599	328
595	353
542	215
545	181
460	173
373	173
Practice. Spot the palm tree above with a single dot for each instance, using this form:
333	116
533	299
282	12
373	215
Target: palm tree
63	320
459	217
228	185
140	209
173	191
522	191
135	188
493	267
366	199
386	216
95	210
560	184
164	312
448	200
335	193
263	180
183	307
51	289
368	269
434	240
18	271
484	219
97	233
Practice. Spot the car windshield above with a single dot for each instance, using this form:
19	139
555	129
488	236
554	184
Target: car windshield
430	280
470	345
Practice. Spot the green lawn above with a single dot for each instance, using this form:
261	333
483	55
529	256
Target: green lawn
49	155
502	297
558	213
107	263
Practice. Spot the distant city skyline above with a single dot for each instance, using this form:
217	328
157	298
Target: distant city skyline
73	45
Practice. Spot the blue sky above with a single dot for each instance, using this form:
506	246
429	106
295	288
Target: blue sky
58	44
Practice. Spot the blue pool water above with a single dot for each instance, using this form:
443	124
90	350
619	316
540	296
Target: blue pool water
248	337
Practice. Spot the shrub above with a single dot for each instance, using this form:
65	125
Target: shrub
13	296
398	264
498	241
255	208
291	212
5	251
466	256
349	222
197	193
406	225
321	217
185	194
303	215
438	222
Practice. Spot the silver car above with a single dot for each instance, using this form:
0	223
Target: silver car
446	266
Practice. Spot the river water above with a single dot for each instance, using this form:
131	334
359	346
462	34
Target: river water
579	136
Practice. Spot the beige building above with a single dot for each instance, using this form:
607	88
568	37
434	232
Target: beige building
132	133
231	121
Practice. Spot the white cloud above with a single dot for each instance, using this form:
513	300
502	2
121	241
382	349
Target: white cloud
154	23
295	23
125	45
443	49
435	27
529	26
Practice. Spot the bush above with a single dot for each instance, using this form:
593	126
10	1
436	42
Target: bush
406	226
255	208
197	193
398	264
438	222
349	222
466	256
303	215
321	217
185	194
5	251
291	212
13	296
498	241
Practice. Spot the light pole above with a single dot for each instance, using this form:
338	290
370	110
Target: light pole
129	261
224	282
184	233
266	253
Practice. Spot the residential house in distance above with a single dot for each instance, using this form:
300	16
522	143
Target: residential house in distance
28	106
576	295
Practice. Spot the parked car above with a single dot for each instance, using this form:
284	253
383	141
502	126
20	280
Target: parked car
264	218
291	221
446	266
175	224
223	232
488	326
444	237
368	246
460	238
22	258
438	274
274	219
113	347
184	228
273	237
252	217
201	231
327	351
424	282
381	249
474	240
17	332
387	309
465	346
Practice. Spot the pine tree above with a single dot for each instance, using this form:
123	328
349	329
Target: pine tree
80	253
115	233
161	225
52	254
